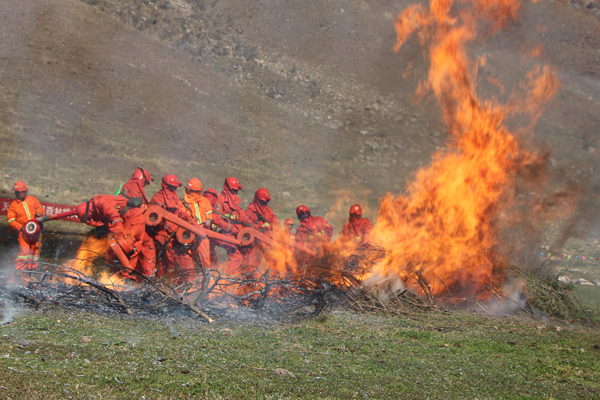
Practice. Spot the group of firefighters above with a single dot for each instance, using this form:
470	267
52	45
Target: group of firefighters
156	250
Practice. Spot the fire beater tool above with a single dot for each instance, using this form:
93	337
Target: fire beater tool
33	227
122	246
155	215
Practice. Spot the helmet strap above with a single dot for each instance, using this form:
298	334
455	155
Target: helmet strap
86	216
146	181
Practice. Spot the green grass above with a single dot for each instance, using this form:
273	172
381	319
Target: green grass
589	298
437	356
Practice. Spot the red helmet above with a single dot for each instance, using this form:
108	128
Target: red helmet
171	180
232	184
140	174
263	194
19	187
288	221
302	210
83	209
212	192
194	184
356	209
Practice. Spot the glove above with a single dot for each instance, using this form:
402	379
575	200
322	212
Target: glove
101	231
208	224
135	202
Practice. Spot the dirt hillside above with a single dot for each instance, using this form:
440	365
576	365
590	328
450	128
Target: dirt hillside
305	98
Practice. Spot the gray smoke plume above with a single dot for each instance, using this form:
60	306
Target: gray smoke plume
9	312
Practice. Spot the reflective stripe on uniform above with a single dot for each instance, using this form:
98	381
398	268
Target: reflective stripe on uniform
198	218
11	220
26	210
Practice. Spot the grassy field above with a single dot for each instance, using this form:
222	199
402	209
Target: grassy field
589	297
59	354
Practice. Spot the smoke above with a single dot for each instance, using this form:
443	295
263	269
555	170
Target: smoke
9	312
386	285
7	275
513	299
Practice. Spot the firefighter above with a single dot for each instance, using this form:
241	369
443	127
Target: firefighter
312	230
167	197
20	211
260	213
357	229
288	225
264	220
198	208
169	253
229	218
122	218
211	195
135	186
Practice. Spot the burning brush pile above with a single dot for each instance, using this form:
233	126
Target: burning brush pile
91	281
444	242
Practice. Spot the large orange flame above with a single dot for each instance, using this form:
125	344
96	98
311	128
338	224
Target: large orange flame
441	236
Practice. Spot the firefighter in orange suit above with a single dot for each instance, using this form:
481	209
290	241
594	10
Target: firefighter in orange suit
170	251
198	207
357	229
264	220
312	230
211	195
20	211
288	225
230	218
135	187
122	217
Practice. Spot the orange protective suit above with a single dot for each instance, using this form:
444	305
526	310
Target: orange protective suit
227	216
134	188
265	221
18	214
171	252
198	207
112	212
357	230
314	230
211	196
